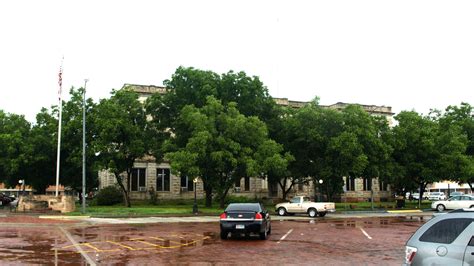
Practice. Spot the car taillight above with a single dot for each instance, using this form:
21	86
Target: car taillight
410	253
223	216
258	216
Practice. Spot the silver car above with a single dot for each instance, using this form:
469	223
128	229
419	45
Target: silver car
447	239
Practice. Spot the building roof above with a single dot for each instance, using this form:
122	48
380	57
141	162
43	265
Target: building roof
148	90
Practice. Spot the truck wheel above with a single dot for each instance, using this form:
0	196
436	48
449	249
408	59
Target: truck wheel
312	212
281	211
440	207
224	234
322	214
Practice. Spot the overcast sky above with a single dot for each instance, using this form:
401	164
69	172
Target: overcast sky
405	54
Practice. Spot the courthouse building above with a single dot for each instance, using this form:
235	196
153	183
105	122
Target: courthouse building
149	176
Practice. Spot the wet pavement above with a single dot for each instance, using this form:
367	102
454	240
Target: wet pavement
366	240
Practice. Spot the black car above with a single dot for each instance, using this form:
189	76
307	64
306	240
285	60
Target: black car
4	199
245	218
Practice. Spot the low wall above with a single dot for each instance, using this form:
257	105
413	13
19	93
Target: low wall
46	202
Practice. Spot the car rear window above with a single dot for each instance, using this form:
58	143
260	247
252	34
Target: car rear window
446	231
243	207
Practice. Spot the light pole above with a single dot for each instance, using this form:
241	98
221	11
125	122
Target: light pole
21	182
320	189
84	148
195	206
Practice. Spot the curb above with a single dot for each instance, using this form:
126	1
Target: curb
405	211
63	217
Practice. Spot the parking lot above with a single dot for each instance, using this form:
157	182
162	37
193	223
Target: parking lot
322	241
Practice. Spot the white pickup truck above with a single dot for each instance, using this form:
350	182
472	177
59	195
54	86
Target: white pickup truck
302	204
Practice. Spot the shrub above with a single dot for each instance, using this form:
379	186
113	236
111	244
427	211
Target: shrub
110	195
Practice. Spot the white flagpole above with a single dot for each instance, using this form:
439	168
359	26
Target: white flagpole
59	126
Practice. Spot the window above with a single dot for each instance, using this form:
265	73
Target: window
350	183
446	231
237	183
367	184
162	179
383	185
295	200
138	179
187	183
471	243
247	183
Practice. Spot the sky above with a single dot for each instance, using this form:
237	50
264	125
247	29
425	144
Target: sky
410	55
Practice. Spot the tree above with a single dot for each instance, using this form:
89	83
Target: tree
14	158
121	125
223	147
369	131
461	117
43	141
423	151
189	86
71	146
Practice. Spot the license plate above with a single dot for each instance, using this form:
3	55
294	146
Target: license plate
239	226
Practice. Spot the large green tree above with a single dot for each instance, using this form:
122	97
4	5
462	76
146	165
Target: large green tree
71	146
16	149
461	164
424	151
323	148
121	136
189	86
223	146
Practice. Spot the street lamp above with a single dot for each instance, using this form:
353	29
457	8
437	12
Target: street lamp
22	185
195	206
320	181
84	148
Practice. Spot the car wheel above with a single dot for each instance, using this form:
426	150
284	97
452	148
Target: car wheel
224	234
269	229
281	211
440	207
322	214
264	235
312	212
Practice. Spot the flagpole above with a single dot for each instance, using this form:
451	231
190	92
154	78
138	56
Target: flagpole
58	156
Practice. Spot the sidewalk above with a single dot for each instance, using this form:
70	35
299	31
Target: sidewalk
410	214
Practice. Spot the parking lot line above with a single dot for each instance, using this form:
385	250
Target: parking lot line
77	246
122	245
365	233
283	237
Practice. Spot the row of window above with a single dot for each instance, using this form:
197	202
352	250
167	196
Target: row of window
138	180
367	184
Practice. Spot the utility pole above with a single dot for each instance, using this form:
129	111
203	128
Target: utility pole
84	148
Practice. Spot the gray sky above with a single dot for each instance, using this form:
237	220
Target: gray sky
405	54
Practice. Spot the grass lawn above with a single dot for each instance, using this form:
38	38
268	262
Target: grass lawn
170	208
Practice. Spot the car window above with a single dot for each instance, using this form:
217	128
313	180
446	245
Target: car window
456	198
306	199
295	200
467	198
243	207
471	243
446	231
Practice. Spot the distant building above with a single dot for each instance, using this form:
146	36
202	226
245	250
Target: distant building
148	176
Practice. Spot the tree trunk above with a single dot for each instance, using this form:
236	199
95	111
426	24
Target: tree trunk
208	190
222	198
126	196
283	189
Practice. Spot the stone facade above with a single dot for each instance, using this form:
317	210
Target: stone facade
256	187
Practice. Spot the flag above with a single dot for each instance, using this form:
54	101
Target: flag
60	81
